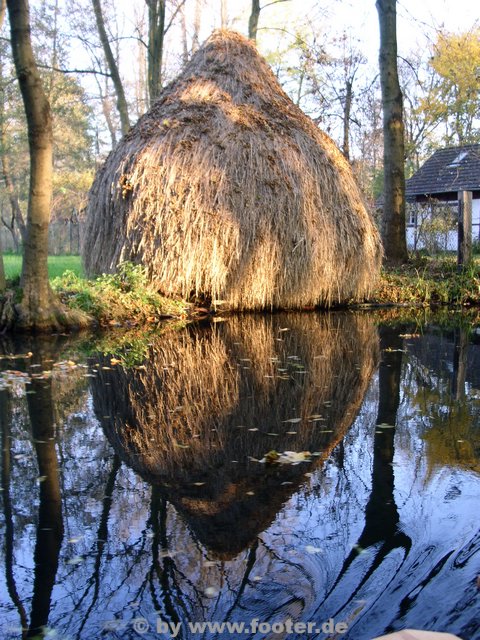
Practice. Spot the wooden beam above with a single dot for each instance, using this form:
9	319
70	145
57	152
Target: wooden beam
464	254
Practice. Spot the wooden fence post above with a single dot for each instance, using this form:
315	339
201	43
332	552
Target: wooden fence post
464	254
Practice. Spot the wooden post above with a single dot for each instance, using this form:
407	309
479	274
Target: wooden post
464	255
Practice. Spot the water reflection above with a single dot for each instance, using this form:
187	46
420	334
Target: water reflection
204	407
376	531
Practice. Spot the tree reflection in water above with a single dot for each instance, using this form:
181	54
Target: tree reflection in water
194	527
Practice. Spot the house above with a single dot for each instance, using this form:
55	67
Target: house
432	197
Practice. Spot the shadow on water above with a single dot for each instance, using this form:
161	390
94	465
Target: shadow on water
373	528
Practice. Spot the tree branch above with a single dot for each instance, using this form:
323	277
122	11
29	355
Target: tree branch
93	71
270	4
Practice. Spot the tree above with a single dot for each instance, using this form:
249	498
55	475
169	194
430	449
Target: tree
393	221
39	309
2	268
158	26
255	16
122	105
453	98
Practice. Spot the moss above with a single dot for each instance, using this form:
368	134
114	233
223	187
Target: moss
123	297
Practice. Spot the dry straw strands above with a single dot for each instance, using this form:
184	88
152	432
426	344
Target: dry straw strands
226	190
206	397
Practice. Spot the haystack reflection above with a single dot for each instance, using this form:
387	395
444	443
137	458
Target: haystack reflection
198	414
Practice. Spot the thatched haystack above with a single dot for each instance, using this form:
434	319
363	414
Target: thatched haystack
226	190
210	401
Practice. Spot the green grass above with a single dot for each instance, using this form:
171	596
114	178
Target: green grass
57	265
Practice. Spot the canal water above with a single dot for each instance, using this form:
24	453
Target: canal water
283	476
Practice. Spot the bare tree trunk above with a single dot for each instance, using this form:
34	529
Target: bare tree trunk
107	110
347	109
39	309
2	267
3	283
183	21
17	216
253	20
393	227
197	16
156	35
122	105
223	14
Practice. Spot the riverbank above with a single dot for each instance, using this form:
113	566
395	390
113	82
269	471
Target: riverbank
124	299
427	281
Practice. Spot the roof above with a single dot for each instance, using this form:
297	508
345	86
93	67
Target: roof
446	172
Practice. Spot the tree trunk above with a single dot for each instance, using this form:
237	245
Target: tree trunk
253	20
112	67
39	310
2	268
347	109
17	216
50	519
393	223
156	34
3	282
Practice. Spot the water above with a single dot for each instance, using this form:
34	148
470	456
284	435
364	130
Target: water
137	497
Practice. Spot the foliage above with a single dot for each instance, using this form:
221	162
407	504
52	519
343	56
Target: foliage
117	298
453	98
428	281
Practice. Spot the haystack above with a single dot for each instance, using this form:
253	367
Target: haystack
210	401
226	190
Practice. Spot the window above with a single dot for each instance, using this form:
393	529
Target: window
458	159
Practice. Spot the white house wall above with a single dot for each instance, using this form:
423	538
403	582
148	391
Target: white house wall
451	238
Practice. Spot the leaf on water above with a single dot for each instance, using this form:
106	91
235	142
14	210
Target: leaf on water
75	539
270	433
253	429
293	420
41	479
211	592
257	578
75	560
250	493
384	425
291	433
198	484
209	563
311	549
287	457
181	446
283	329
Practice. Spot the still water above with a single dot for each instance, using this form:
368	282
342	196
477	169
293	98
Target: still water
146	487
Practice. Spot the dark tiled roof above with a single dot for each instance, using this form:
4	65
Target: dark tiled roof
447	171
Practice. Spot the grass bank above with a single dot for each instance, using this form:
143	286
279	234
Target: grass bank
57	265
426	281
125	298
